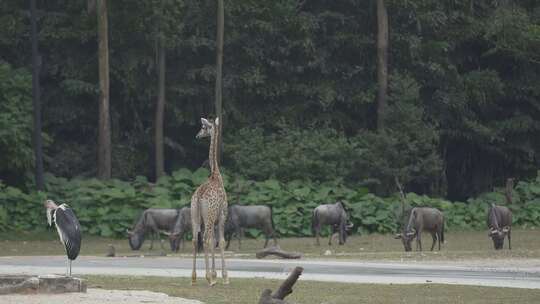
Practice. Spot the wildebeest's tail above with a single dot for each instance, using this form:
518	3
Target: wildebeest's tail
314	220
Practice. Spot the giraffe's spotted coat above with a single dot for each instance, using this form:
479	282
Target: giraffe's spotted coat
209	207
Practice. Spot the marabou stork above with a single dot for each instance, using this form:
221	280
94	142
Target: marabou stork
68	228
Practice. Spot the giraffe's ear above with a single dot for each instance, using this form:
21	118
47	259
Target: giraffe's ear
205	122
217	121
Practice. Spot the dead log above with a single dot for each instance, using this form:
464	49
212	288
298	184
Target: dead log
266	298
111	252
284	290
276	250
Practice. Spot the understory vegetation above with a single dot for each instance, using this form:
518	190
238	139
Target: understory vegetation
107	208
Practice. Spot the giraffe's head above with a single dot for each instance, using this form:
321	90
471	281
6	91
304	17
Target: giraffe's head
208	127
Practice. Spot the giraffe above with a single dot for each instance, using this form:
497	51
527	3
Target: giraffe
209	206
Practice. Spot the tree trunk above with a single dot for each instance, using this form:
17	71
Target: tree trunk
382	63
284	290
402	200
219	65
104	131
508	191
36	135
160	108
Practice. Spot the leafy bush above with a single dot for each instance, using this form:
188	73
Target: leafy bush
407	146
15	119
107	208
314	154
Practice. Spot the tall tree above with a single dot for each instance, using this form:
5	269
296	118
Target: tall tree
36	66
382	62
160	108
219	76
104	131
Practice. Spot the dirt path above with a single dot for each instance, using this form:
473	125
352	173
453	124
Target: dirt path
519	273
98	296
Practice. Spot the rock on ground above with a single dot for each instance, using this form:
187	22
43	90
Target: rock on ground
97	296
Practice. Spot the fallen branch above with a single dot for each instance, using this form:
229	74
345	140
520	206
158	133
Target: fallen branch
276	250
284	290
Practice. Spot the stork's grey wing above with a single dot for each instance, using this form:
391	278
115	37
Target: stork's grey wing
70	228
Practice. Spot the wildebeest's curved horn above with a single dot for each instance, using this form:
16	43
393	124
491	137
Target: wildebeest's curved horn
129	232
397	236
166	232
350	225
506	229
492	232
410	233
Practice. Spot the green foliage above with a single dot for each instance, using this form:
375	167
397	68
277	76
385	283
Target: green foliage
313	154
463	98
108	208
15	119
406	148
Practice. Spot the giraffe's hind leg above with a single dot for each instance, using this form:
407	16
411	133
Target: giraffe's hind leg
221	223
208	236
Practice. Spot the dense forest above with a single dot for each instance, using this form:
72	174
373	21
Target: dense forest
442	95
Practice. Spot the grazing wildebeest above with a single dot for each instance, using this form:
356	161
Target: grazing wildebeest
422	219
334	215
181	226
152	221
255	216
499	222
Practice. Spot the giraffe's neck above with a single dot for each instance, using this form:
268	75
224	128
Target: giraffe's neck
211	155
214	143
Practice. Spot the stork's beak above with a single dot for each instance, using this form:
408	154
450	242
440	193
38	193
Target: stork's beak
51	206
49	216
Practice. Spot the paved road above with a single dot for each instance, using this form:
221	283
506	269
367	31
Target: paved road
521	276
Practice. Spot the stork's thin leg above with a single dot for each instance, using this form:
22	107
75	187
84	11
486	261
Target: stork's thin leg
70	268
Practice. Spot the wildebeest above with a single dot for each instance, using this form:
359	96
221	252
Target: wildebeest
255	216
152	221
334	215
499	222
423	219
181	226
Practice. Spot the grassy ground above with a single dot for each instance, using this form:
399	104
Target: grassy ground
460	245
248	291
